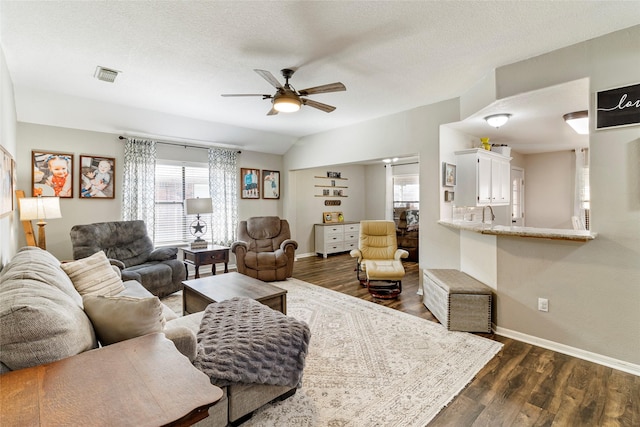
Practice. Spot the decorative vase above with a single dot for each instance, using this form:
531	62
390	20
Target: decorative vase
485	144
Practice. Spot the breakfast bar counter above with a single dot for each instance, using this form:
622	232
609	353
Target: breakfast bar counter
504	230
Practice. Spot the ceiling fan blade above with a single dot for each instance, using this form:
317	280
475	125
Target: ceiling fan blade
331	87
247	94
272	112
269	77
319	105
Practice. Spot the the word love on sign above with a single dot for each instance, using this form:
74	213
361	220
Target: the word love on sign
618	107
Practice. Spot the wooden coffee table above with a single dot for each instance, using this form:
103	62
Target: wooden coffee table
143	381
199	293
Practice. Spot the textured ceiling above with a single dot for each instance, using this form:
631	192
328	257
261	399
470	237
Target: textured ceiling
177	58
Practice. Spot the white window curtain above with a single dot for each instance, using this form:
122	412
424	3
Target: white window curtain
223	186
138	182
581	193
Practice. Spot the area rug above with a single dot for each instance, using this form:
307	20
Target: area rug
369	365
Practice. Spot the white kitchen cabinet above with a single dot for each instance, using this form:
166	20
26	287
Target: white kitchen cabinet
482	178
333	238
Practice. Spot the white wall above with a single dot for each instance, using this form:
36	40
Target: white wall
594	287
549	188
82	211
309	208
9	223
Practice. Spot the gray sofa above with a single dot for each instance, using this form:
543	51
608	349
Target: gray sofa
129	246
43	319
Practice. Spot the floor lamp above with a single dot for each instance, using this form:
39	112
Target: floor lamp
40	209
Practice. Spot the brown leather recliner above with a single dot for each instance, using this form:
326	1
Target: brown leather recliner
264	249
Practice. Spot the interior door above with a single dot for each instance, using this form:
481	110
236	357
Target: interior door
517	196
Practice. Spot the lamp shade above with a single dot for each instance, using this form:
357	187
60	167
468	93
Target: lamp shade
39	208
198	206
579	121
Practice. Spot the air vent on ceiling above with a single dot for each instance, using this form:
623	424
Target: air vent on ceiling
105	74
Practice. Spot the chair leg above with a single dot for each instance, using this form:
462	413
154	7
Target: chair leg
363	282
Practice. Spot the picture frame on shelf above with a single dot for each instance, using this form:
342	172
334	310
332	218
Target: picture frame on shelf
52	174
97	177
249	183
448	174
270	184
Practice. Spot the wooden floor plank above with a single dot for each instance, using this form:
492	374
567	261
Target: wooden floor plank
522	385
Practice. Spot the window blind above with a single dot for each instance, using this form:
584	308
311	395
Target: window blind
174	184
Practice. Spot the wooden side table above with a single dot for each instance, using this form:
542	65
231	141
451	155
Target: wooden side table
143	381
207	256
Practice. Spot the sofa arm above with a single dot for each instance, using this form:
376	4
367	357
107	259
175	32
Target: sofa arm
117	263
183	338
400	253
355	253
239	246
240	249
287	243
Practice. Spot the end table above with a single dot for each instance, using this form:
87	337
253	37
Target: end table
210	255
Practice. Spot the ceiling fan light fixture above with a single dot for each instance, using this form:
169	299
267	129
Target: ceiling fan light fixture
497	120
286	103
579	121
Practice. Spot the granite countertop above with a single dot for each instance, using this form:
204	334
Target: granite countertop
505	230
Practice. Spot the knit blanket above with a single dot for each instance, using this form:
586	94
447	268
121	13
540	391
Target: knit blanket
243	341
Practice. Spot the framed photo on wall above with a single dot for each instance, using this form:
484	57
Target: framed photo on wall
448	174
250	183
270	184
52	174
97	177
7	174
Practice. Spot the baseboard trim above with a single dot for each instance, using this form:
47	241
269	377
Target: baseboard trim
600	359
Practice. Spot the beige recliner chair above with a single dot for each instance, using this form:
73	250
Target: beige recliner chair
264	249
378	259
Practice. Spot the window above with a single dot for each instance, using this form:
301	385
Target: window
406	193
174	184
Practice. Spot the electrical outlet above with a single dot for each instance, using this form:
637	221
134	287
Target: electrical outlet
543	304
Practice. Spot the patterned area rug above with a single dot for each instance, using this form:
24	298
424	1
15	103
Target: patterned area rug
369	365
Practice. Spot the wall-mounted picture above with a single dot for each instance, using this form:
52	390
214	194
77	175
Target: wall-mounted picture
52	174
249	182
97	177
448	196
270	184
448	174
7	169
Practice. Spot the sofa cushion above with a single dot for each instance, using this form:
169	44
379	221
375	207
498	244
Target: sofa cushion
134	289
41	316
120	318
94	275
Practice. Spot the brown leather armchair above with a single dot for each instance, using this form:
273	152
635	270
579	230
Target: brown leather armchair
264	249
408	233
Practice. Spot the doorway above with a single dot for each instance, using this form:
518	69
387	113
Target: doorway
517	196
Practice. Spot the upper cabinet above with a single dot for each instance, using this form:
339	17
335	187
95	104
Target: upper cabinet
483	178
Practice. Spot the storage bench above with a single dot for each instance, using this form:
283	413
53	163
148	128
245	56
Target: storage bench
457	300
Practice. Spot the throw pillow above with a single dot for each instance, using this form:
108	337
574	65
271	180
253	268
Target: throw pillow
120	318
93	275
162	254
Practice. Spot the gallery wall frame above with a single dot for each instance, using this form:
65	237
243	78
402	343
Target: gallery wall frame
448	175
250	183
97	177
52	174
8	176
270	184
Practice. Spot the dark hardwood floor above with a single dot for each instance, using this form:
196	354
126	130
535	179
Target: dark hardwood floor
523	385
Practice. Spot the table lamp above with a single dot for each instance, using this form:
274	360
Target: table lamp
198	227
40	209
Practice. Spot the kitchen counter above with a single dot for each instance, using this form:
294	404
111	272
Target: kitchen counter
504	230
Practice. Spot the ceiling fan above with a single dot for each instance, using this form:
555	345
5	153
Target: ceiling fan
287	99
